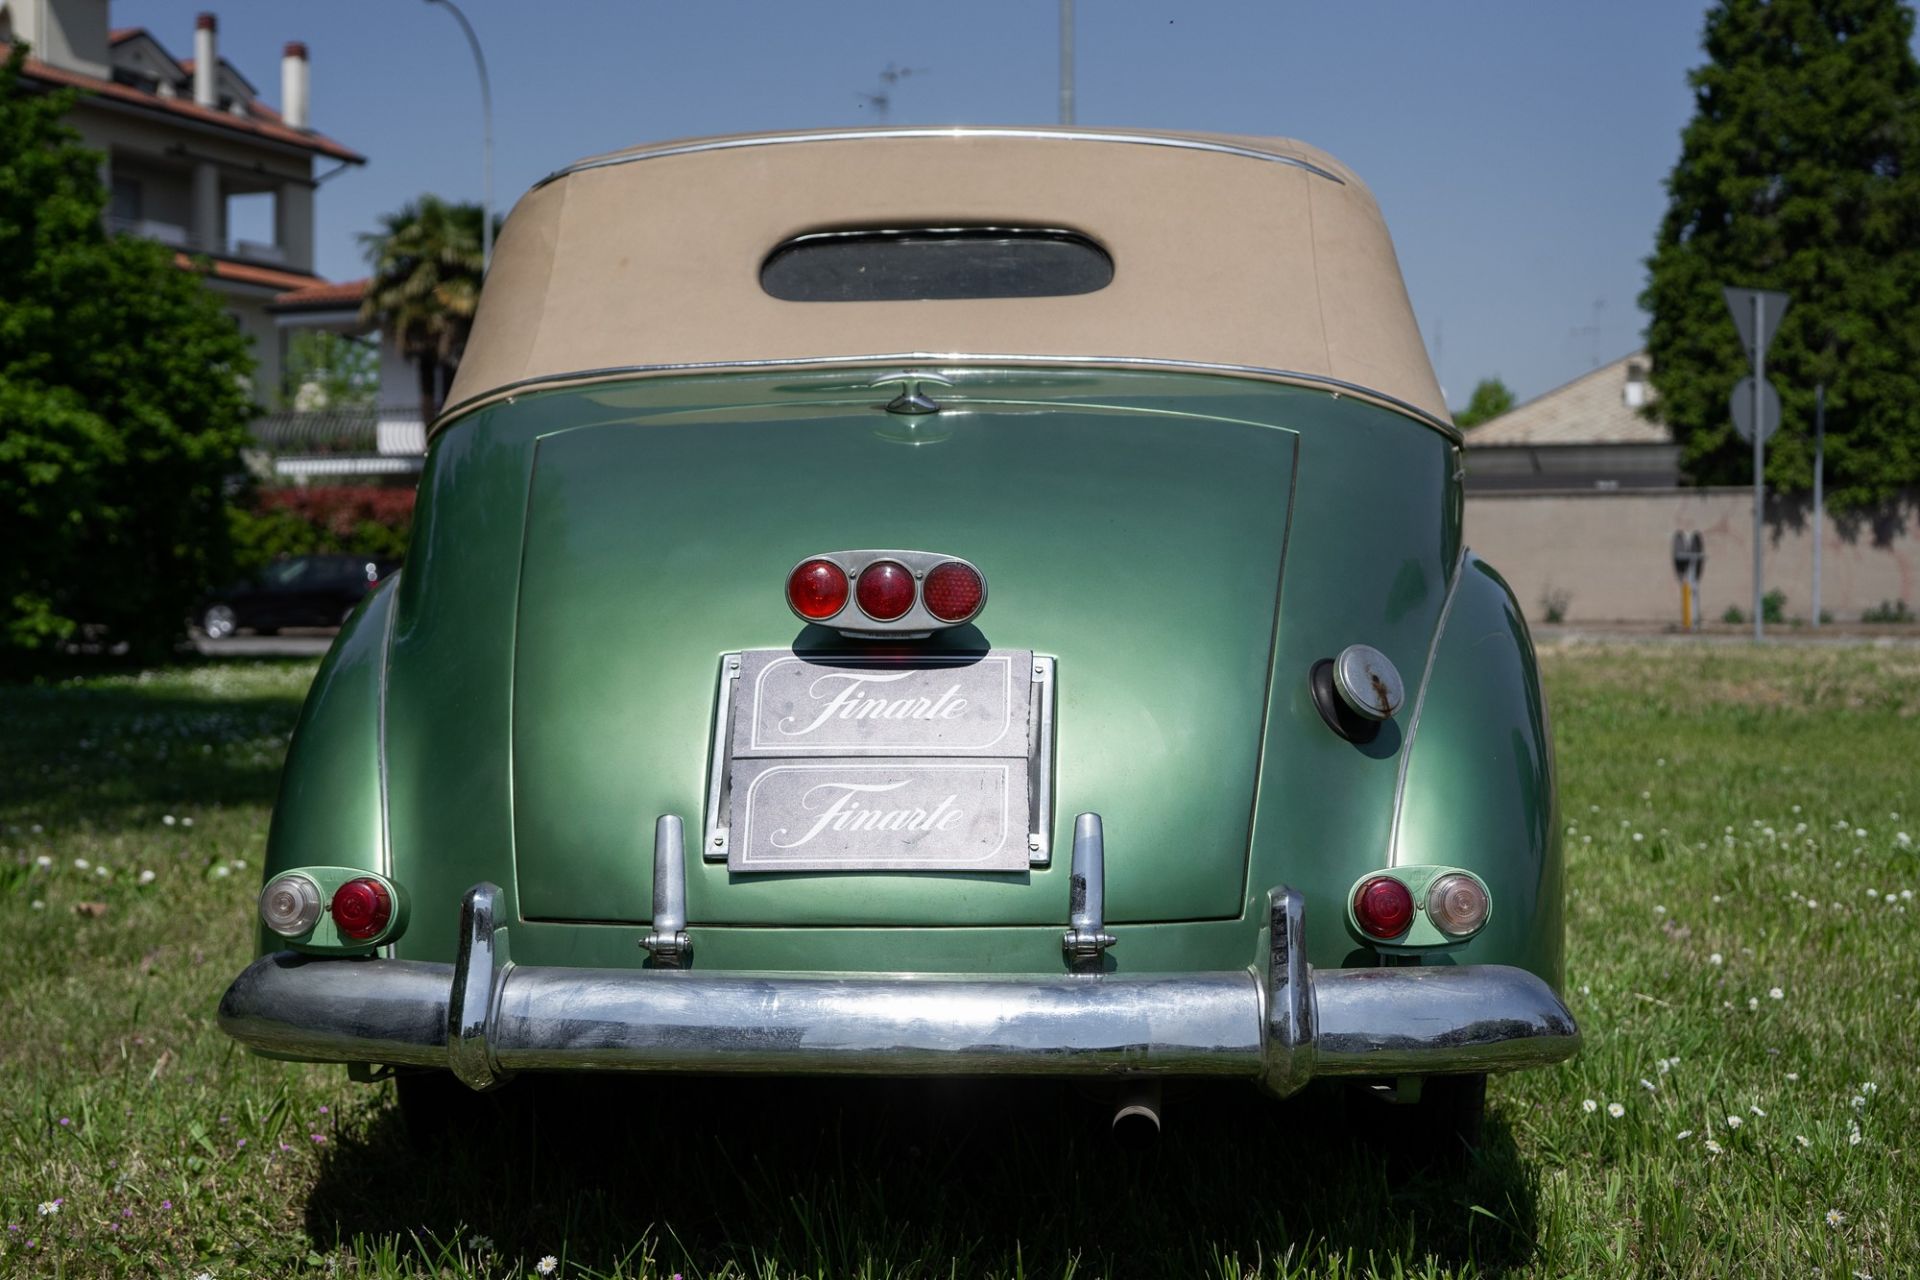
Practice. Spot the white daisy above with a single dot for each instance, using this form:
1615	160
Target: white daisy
1615	1110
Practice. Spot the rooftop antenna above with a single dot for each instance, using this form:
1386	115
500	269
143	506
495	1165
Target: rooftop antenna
1592	331
881	100
1066	61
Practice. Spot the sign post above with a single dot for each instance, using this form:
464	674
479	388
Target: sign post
1819	490
1756	314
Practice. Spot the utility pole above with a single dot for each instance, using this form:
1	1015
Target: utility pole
1066	61
1759	469
1755	406
1819	489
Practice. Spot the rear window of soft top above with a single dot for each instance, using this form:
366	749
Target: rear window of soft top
935	264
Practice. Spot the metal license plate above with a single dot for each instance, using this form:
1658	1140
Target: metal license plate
892	815
791	705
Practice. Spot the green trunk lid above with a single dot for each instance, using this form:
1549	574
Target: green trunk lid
1143	550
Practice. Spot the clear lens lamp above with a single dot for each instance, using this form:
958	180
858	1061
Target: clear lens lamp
1457	905
290	905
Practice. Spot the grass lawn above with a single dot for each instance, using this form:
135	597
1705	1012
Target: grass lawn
1744	959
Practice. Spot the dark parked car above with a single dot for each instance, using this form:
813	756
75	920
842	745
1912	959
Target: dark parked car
299	591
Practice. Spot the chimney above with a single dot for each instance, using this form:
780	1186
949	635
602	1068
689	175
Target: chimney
1635	393
206	61
296	85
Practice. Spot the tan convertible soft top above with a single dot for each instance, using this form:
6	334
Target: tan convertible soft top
1257	255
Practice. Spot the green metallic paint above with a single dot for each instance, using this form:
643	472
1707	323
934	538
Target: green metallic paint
1371	529
1422	935
330	811
1480	782
1105	535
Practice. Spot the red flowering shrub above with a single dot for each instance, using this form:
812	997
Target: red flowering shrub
351	519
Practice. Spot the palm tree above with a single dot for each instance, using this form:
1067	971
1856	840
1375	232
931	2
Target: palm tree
427	266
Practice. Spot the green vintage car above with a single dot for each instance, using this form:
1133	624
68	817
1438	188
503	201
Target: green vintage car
931	602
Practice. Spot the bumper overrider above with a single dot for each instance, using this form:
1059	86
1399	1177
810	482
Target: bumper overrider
1279	1022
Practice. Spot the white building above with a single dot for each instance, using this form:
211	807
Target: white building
192	153
1591	433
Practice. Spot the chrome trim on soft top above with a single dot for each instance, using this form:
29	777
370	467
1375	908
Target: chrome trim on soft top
1278	1021
954	132
1311	380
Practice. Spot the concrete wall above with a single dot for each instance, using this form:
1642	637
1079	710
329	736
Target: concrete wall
1611	553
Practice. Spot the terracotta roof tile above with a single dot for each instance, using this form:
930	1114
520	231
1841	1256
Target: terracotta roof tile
347	293
272	130
249	272
1592	409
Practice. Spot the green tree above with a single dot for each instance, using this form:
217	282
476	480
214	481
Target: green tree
1800	171
123	404
427	264
1490	399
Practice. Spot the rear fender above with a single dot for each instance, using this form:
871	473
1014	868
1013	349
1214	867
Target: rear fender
332	808
1477	786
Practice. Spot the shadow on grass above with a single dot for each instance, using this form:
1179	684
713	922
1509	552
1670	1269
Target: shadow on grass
849	1177
95	750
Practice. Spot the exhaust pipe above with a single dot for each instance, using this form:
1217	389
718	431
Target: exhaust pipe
1136	1120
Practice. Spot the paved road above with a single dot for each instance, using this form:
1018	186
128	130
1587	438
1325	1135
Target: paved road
297	644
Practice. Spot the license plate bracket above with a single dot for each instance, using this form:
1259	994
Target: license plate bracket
859	762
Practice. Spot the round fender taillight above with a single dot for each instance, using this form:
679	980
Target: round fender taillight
361	908
885	590
954	591
1457	904
817	589
290	905
1384	907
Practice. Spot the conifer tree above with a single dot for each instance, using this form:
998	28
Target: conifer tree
1800	171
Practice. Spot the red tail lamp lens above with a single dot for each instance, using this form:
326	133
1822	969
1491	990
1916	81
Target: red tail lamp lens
361	908
954	591
885	590
817	589
1384	907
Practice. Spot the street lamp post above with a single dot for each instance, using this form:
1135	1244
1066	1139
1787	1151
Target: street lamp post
1066	61
486	126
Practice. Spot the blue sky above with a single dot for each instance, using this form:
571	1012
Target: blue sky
1517	147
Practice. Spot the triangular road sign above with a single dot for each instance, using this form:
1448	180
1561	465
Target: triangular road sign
1773	305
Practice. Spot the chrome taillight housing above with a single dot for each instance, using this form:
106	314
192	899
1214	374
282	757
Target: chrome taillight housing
887	594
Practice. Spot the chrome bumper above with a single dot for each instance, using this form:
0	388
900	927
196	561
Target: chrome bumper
1280	1022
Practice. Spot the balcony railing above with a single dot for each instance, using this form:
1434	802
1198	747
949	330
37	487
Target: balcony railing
390	439
184	238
